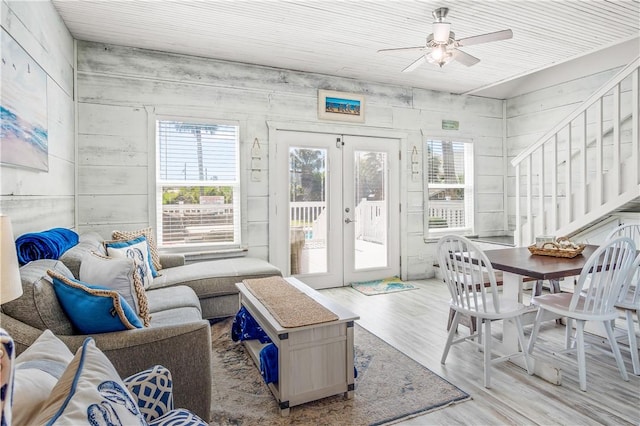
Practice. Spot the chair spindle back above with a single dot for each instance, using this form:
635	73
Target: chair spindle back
468	274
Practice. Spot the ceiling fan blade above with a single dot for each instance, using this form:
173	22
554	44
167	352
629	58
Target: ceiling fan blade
415	64
485	38
400	49
464	58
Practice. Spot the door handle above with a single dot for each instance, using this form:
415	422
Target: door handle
347	220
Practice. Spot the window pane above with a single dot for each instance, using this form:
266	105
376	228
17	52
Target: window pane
445	161
449	193
197	183
446	208
192	151
193	214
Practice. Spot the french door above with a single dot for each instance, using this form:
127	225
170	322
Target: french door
337	207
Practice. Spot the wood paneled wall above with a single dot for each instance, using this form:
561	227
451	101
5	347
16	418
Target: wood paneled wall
117	85
37	200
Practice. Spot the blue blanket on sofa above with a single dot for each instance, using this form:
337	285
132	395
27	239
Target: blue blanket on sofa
45	245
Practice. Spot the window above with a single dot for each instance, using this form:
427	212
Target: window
448	171
198	184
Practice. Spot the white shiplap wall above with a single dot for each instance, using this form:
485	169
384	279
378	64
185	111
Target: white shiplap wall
37	200
116	84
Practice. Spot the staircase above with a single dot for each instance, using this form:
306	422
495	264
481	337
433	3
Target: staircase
586	167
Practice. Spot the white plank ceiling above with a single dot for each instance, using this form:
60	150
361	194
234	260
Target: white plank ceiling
341	38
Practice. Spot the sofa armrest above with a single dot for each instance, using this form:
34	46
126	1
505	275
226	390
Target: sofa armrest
184	349
171	260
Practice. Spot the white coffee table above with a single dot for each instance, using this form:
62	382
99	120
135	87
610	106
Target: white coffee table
314	361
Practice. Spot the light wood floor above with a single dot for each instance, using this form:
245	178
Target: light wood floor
415	323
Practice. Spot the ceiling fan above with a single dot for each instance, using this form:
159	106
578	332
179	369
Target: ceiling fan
442	46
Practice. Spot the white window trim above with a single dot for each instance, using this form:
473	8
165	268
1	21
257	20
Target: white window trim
469	187
203	116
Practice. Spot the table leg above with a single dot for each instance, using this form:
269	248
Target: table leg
511	290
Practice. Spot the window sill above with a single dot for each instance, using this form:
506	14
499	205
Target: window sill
214	254
193	254
434	237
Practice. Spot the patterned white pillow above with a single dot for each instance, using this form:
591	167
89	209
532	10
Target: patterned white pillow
90	391
136	249
37	371
151	240
153	390
119	274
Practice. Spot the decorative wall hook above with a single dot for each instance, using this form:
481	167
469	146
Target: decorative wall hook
415	164
256	161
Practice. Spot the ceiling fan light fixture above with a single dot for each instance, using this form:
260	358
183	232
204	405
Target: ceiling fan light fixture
447	58
439	52
441	32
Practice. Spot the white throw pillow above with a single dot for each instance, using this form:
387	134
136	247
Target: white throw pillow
90	392
120	274
37	371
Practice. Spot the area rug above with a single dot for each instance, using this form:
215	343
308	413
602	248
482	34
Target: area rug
390	387
387	285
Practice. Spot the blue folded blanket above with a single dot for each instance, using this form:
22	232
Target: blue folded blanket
45	245
269	363
245	327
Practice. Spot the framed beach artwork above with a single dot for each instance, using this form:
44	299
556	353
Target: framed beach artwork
340	106
23	108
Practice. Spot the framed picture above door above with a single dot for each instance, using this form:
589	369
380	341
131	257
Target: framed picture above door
340	106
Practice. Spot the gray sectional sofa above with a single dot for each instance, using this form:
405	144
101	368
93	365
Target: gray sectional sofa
180	301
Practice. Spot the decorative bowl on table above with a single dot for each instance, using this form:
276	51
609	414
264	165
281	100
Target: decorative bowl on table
562	247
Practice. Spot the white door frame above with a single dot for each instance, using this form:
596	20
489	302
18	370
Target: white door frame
278	245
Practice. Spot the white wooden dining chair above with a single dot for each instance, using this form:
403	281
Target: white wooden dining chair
629	300
465	270
595	303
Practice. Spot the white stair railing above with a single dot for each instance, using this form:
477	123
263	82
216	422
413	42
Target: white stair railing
584	167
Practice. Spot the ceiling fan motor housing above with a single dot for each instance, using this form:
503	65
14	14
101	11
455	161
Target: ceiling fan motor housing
440	13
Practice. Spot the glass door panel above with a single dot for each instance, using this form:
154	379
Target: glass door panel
307	209
371	210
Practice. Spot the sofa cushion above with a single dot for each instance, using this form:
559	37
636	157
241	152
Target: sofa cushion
182	315
38	306
138	250
93	309
151	240
72	258
215	277
119	274
90	391
179	296
37	371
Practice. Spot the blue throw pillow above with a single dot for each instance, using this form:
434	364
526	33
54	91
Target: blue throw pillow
93	309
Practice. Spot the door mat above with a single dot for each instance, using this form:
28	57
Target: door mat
384	286
390	387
